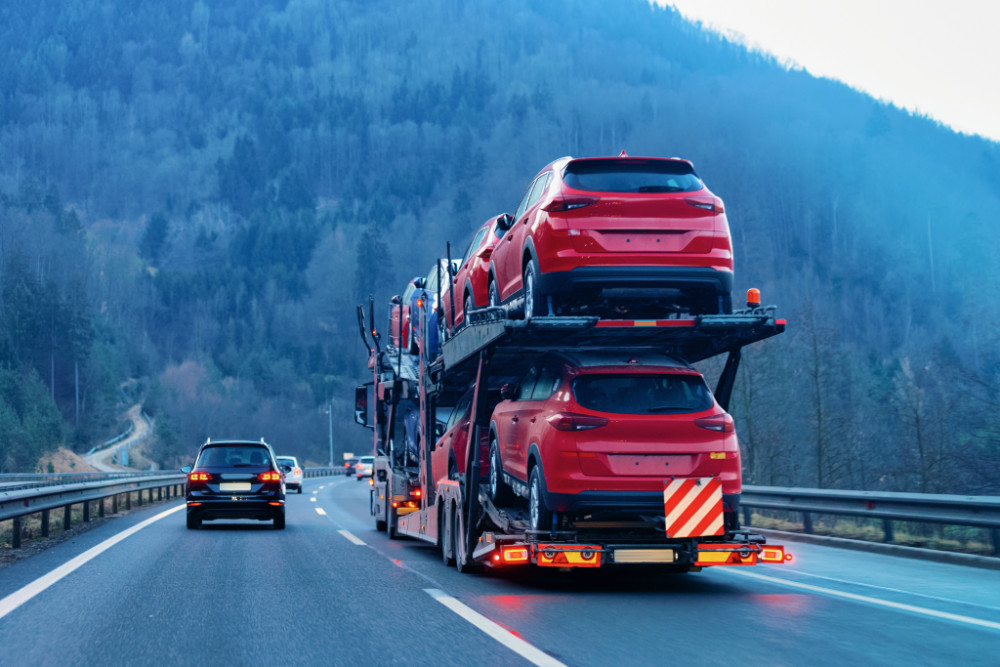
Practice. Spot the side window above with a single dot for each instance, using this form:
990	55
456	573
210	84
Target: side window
524	203
460	409
541	183
527	386
472	246
546	384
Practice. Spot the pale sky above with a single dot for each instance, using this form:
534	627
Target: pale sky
941	59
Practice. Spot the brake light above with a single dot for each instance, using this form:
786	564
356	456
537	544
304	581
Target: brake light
774	554
270	476
560	203
200	477
297	471
722	423
515	554
568	421
713	204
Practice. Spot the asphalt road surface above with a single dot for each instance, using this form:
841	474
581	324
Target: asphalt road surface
329	590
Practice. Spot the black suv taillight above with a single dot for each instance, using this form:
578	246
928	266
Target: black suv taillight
270	476
200	477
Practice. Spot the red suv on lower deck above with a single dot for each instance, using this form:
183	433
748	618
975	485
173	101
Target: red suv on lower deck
637	235
588	431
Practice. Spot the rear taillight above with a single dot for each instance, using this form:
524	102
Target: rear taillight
199	477
722	423
713	204
568	203
297	471
568	421
270	476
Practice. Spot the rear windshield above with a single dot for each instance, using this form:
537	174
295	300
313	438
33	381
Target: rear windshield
234	456
368	459
642	394
632	176
287	461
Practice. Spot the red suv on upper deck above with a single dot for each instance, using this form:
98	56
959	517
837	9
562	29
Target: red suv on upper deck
599	432
635	235
470	281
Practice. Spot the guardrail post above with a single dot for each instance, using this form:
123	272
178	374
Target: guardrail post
139	499
114	504
996	541
100	508
807	523
128	500
67	516
86	511
45	523
888	534
159	493
15	537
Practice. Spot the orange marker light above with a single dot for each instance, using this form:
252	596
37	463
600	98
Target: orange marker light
753	298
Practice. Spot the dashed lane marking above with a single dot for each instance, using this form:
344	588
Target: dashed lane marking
19	597
527	651
313	499
320	511
352	538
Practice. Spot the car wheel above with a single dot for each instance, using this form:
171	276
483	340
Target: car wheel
467	307
193	522
499	491
539	516
300	488
494	294
533	301
279	521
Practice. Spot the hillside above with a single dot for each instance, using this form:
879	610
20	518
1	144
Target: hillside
200	192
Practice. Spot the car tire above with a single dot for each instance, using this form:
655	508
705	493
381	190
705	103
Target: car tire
497	489
279	520
467	306
494	294
447	537
540	518
300	488
534	303
193	522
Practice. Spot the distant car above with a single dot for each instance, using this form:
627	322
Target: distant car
293	472
585	430
399	317
471	281
235	479
365	467
626	235
349	465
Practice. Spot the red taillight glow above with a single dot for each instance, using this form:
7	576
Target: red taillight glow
713	204
774	554
200	477
270	476
722	423
568	421
416	493
515	554
297	471
567	203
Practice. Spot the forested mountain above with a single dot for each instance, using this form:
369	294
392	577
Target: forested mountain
195	195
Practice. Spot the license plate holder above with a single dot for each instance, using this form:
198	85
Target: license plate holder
234	486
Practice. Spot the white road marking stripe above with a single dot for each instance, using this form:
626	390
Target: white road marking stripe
897	590
313	499
19	597
968	620
320	511
352	538
514	643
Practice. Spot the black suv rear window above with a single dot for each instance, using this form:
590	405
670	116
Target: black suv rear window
631	176
642	394
233	456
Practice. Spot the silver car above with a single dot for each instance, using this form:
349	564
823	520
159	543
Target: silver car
293	472
365	467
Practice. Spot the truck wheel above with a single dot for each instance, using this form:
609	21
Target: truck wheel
539	514
499	491
533	301
447	537
463	560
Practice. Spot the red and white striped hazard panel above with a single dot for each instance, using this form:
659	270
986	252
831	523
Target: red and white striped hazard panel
693	507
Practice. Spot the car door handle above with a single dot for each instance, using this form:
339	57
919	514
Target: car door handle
514	419
532	420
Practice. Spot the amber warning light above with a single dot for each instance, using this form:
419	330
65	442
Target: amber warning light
753	298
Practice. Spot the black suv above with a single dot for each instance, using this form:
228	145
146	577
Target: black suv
235	479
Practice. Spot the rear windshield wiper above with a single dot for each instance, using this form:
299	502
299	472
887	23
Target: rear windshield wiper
658	188
676	409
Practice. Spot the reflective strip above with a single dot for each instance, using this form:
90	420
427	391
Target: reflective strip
693	507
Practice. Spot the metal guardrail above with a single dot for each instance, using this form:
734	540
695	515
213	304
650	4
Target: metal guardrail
951	510
21	495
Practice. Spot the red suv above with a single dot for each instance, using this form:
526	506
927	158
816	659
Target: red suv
448	456
470	282
585	432
641	236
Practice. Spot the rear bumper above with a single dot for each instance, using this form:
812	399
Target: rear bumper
637	278
635	502
251	508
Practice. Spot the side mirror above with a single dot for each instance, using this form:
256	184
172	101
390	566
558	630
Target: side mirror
186	469
505	392
396	300
439	429
361	405
505	221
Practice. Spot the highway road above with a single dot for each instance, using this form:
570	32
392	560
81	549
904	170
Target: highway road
329	590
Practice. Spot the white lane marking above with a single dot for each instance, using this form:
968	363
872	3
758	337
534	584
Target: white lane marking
316	491
313	499
352	538
320	511
897	590
968	620
514	643
19	597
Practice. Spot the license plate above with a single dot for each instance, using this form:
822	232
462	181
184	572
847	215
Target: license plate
234	486
644	556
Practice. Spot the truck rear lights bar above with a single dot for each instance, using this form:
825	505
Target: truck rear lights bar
727	554
568	555
774	554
